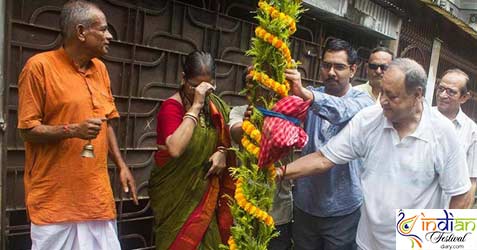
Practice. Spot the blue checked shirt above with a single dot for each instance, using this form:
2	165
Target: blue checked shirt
336	192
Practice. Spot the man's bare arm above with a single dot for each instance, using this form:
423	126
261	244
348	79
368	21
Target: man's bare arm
459	201
87	130
127	180
471	195
314	163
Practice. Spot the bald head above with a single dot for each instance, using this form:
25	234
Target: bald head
414	74
77	12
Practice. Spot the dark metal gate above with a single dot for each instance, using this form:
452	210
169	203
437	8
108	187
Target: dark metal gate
150	39
459	50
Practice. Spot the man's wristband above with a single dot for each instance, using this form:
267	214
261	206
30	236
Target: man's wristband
67	130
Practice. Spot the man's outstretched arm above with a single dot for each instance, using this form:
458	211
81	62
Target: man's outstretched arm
314	163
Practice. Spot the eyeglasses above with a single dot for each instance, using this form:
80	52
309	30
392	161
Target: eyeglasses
450	92
336	66
374	66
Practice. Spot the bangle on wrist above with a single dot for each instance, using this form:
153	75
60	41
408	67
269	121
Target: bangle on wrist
221	149
191	114
192	117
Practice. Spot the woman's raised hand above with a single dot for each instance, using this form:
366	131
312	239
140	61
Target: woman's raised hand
201	92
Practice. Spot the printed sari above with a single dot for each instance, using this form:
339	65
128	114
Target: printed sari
192	212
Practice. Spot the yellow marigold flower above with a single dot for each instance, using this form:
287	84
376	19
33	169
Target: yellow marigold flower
264	76
259	214
245	142
266	36
256	151
241	203
282	16
270	38
283	89
269	221
244	125
274	41
257	32
270	82
248	209
255	134
264	216
250	148
287	85
239	196
250	130
252	209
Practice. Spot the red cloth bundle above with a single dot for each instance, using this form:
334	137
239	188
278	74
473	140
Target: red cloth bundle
281	134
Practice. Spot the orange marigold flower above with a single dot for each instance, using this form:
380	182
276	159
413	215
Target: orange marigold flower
270	38
269	221
266	36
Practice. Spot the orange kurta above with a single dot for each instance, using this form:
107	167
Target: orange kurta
60	185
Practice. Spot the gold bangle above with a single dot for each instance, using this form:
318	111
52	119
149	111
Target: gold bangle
192	114
221	149
191	117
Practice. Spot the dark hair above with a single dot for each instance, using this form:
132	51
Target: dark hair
414	74
383	49
463	90
76	12
336	44
198	63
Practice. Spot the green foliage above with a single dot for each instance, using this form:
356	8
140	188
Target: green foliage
258	187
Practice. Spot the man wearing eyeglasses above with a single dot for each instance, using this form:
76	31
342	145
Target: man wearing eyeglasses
326	205
451	93
378	62
411	156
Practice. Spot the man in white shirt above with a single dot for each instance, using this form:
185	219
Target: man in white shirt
410	154
378	63
451	93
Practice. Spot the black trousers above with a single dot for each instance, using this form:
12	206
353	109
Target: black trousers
324	233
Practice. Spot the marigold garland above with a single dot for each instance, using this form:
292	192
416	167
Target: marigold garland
255	185
249	207
250	147
275	42
251	131
265	80
274	13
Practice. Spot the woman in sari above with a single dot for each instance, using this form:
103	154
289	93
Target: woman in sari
187	187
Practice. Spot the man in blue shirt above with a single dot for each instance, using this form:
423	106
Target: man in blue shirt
326	206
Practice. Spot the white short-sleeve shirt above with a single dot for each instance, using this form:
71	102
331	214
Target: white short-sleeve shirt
467	135
412	172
